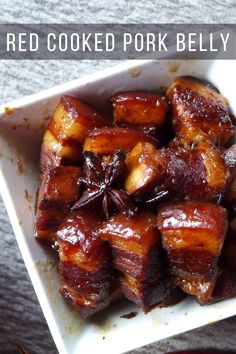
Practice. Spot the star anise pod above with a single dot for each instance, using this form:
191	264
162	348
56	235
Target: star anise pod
101	178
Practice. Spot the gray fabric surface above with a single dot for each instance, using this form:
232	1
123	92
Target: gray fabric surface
21	318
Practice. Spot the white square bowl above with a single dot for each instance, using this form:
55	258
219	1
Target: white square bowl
22	124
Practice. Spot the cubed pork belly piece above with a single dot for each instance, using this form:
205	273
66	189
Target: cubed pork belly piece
59	189
107	140
198	173
197	104
207	177
136	244
139	109
137	253
73	118
193	234
63	139
88	292
85	268
153	173
58	192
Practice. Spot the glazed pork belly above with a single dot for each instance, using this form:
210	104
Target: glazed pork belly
146	111
207	176
197	104
63	139
85	267
59	190
136	244
193	234
198	173
106	141
136	247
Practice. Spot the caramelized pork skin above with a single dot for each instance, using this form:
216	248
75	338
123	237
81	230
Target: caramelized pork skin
196	104
58	192
85	266
107	140
63	139
139	109
193	234
152	172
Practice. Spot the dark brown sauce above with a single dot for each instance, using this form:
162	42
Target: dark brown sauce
129	315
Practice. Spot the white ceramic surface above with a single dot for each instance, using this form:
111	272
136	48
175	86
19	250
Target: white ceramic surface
22	124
